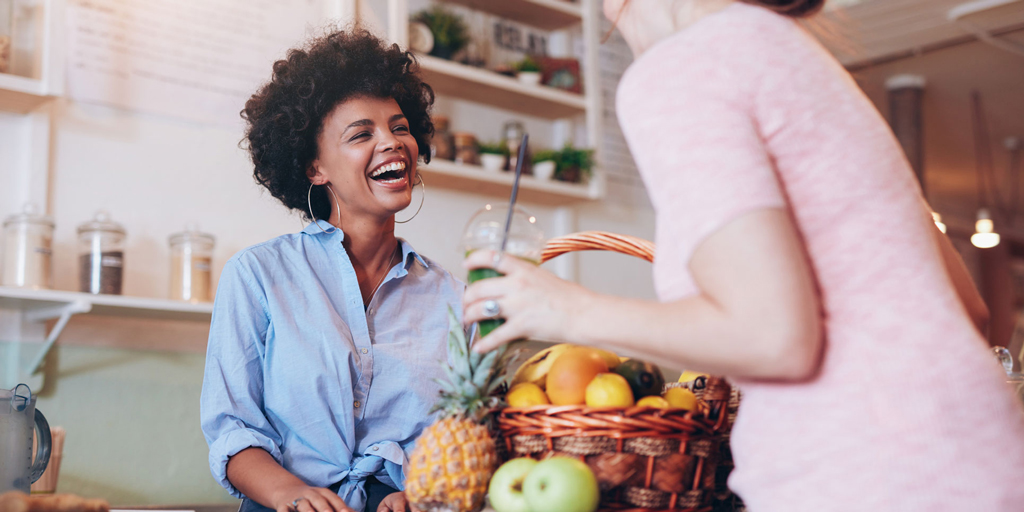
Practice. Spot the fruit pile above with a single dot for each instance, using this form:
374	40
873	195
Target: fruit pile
572	375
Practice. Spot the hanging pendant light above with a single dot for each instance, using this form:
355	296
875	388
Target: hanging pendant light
938	221
985	236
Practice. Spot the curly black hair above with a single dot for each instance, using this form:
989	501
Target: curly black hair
285	116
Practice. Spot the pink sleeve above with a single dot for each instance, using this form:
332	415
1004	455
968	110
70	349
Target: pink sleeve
702	158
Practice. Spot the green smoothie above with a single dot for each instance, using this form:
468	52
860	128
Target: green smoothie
486	326
524	239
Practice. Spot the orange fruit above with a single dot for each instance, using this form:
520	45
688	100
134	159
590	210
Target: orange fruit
653	401
571	373
525	395
609	390
681	398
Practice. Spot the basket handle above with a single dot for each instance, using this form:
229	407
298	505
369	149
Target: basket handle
718	390
599	241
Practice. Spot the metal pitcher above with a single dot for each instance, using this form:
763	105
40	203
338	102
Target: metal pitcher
18	417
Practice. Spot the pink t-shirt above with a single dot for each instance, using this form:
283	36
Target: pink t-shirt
745	111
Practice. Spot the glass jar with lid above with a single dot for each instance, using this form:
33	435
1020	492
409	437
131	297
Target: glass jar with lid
191	262
101	255
28	250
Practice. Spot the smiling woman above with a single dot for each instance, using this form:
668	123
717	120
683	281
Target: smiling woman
311	347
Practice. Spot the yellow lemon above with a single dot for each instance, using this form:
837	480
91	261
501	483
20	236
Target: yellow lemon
682	398
526	395
609	390
654	401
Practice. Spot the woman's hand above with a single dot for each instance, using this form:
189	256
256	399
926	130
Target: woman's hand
396	502
534	302
309	499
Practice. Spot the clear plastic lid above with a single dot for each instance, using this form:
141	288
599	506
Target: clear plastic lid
101	222
192	234
487	227
29	215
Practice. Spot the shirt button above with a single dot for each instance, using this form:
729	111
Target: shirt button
364	351
375	448
369	311
356	404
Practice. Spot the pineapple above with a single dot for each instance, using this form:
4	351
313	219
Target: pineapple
454	458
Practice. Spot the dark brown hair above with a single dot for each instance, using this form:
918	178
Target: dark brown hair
793	8
285	116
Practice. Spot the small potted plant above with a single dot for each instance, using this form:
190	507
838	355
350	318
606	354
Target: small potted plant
544	163
574	165
449	30
528	71
493	156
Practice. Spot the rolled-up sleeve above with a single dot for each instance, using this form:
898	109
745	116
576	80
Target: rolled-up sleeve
231	408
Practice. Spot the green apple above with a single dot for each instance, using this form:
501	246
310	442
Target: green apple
506	488
561	484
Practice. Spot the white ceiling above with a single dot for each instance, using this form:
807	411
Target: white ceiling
865	30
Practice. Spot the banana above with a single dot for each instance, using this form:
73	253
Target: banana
535	369
609	357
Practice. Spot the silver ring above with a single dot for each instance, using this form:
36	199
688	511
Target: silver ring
295	502
491	308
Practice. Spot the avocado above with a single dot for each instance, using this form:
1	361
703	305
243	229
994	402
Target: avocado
645	379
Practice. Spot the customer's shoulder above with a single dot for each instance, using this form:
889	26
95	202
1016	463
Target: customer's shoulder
269	253
440	273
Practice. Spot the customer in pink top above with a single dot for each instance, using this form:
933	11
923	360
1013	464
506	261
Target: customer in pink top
795	254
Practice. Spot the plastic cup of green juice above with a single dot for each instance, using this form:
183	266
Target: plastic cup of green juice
485	231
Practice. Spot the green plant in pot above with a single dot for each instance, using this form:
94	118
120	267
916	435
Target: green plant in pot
449	30
493	156
528	71
544	163
574	165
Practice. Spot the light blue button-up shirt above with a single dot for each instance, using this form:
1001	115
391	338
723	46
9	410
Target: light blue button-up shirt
295	364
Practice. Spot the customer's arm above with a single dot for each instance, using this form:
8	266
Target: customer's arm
258	476
244	446
757	316
962	282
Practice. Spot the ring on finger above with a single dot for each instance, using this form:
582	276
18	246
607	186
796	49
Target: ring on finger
295	502
491	308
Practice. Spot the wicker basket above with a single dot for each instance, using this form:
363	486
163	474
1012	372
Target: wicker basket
645	459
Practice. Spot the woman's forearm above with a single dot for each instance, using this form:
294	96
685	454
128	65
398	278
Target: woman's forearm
258	476
692	334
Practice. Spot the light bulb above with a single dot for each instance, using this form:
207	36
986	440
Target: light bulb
985	236
938	221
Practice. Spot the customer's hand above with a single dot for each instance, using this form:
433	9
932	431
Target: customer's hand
535	303
310	499
396	502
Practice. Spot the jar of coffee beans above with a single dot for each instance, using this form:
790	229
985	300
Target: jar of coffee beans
101	255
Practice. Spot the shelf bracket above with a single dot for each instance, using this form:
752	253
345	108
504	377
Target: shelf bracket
62	313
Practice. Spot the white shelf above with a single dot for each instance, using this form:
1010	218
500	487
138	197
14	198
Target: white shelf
21	95
475	179
109	305
543	14
483	86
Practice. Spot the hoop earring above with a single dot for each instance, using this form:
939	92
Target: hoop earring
309	203
423	186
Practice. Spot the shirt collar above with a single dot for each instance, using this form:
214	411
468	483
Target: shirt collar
322	227
407	250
